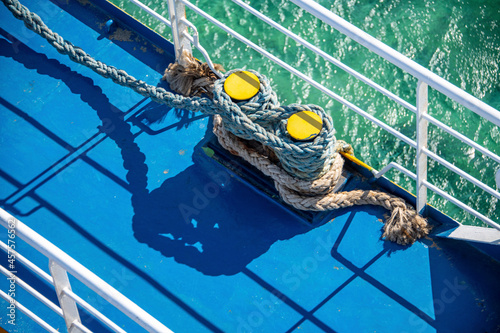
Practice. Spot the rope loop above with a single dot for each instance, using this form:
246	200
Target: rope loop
310	159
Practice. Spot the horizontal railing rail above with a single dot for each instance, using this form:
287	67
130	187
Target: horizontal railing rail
151	12
60	265
28	313
424	76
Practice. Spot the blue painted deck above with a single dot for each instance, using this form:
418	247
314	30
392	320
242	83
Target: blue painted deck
148	211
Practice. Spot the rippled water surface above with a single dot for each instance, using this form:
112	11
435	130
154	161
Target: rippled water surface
459	40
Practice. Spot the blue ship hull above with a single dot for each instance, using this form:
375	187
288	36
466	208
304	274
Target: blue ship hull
189	233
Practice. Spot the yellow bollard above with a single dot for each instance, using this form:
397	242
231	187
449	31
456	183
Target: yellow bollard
242	85
304	125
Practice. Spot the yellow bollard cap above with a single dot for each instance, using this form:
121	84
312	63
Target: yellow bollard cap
304	125
242	85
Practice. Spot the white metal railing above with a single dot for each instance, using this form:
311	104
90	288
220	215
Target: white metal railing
401	61
425	79
60	264
325	55
301	75
151	12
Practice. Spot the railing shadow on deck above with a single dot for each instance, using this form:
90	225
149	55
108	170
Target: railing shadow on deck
113	126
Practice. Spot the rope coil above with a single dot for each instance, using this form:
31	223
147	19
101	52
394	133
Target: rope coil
304	172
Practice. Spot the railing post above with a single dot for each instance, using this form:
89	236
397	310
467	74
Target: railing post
177	11
68	306
422	125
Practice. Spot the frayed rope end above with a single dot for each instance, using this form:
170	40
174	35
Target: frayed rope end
193	79
405	226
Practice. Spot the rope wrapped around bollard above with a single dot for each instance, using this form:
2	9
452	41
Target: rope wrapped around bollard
304	172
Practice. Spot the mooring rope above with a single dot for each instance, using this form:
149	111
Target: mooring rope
305	172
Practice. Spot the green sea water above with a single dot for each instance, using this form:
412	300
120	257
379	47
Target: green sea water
458	40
